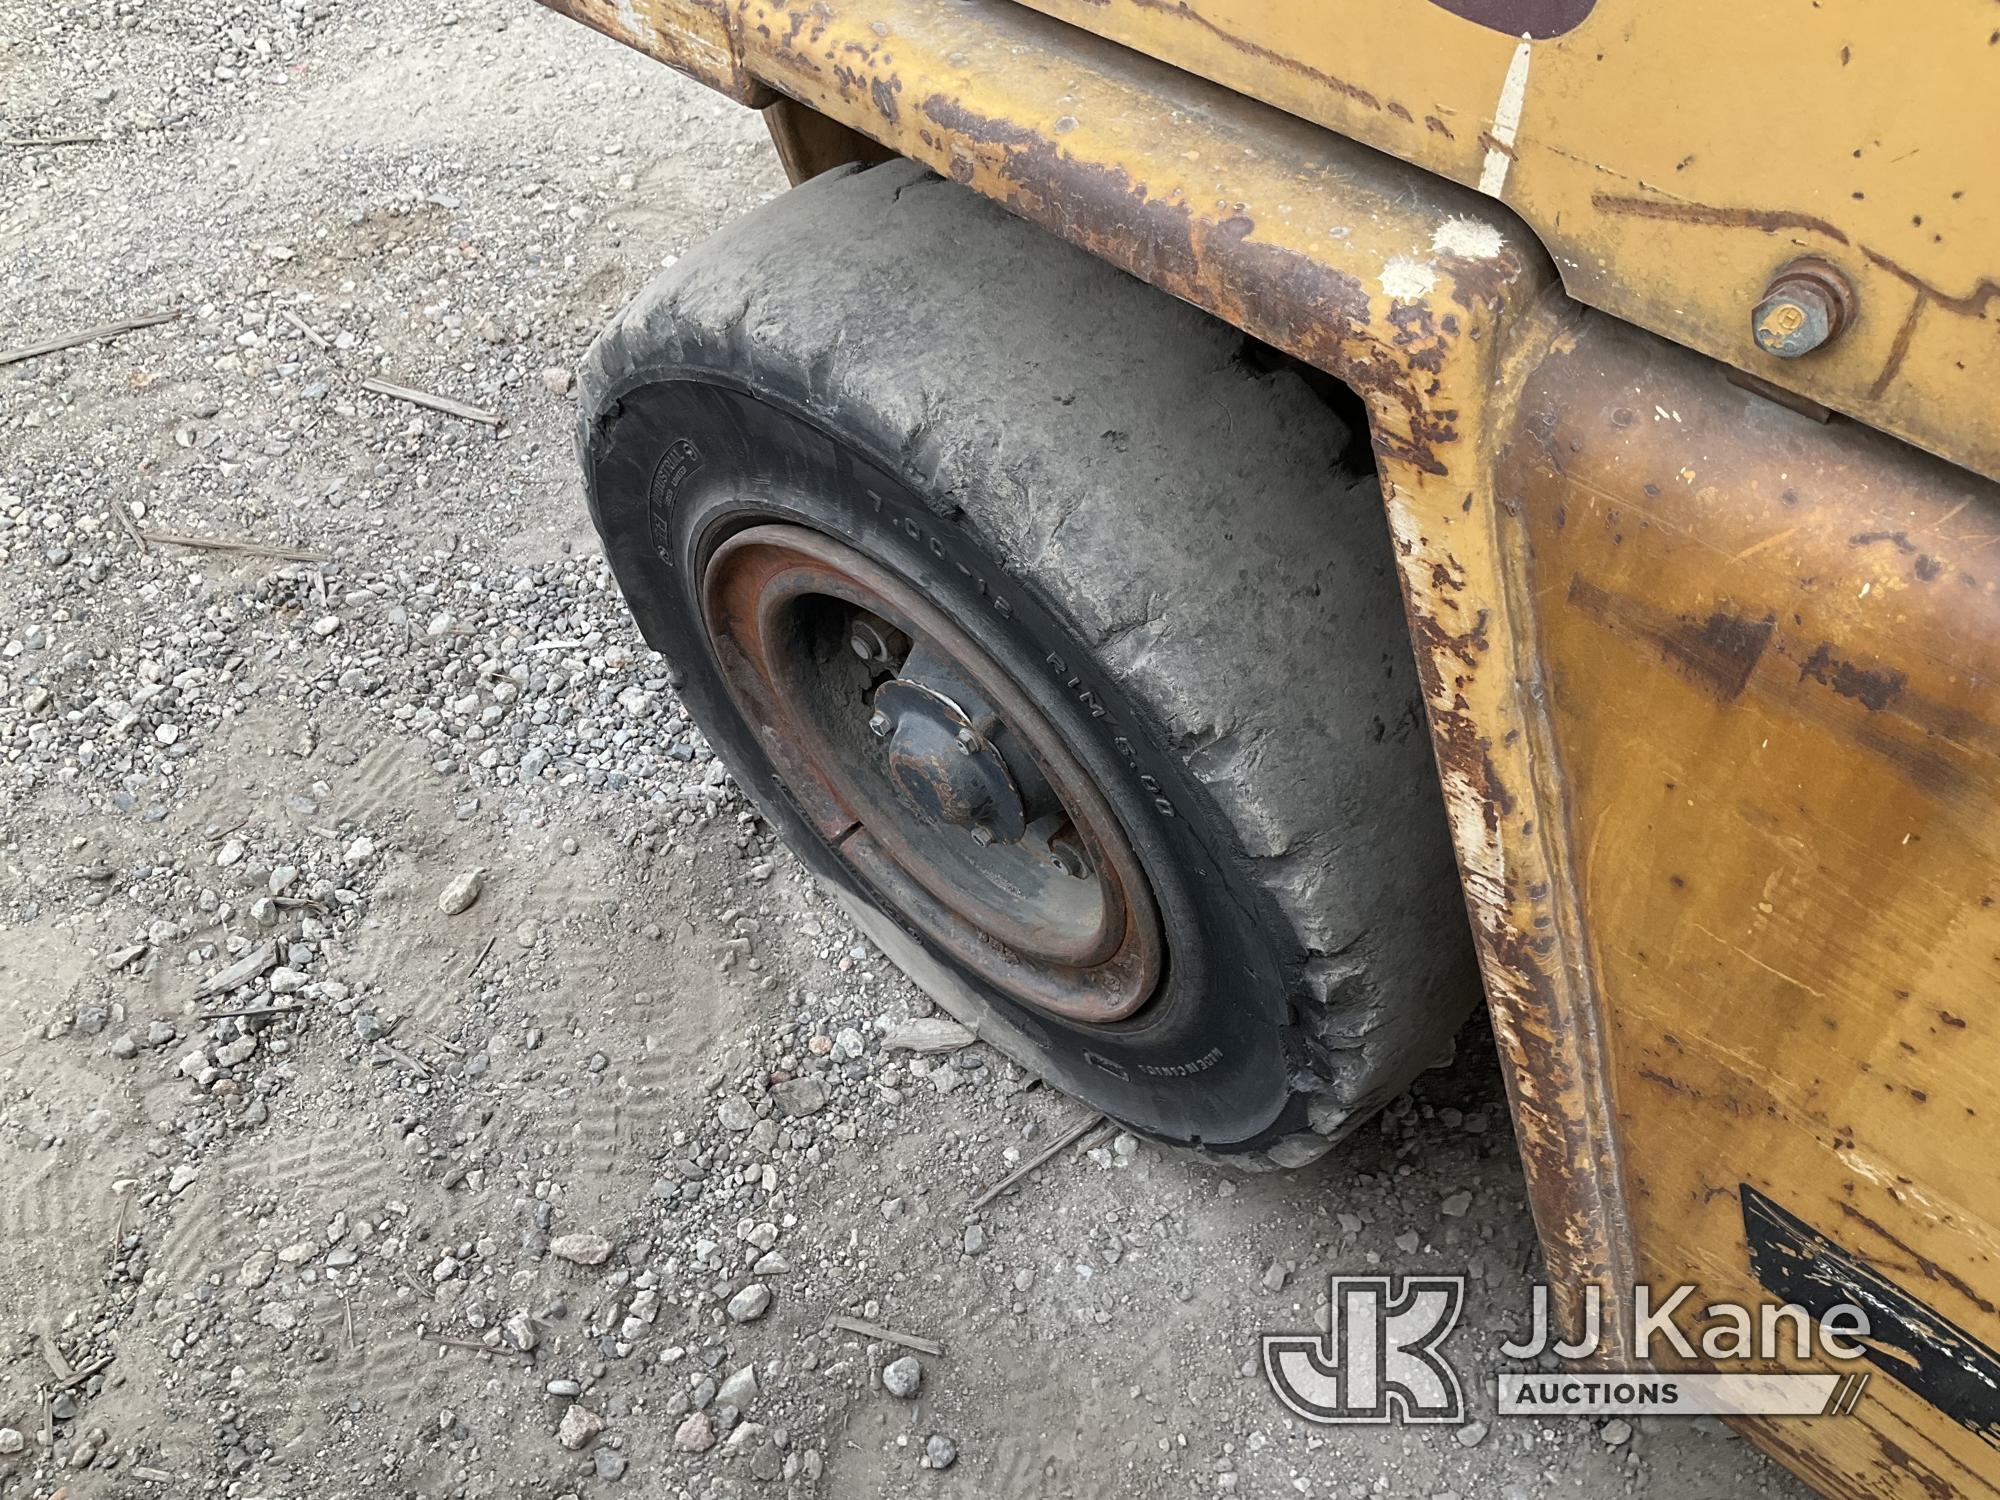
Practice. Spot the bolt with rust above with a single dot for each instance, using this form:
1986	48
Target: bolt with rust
1066	854
1805	305
876	641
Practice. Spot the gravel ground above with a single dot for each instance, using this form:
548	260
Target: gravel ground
572	1113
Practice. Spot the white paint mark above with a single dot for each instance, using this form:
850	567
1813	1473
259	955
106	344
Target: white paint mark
1403	524
1472	239
1506	120
1407	279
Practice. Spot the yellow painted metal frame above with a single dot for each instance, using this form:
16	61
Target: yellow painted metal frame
1710	683
1671	157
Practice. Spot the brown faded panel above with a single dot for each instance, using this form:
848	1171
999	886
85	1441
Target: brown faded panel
1772	654
808	143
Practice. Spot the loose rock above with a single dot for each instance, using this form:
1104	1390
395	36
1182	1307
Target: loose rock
579	1426
461	892
902	1377
581	1248
696	1434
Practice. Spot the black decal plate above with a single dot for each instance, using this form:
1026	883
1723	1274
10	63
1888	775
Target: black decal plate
1914	1345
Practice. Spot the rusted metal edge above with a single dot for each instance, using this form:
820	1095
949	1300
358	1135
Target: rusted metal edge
1566	1196
690	36
1472	618
1274	225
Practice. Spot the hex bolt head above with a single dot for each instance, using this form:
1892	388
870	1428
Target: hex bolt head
981	835
1802	309
879	722
1066	857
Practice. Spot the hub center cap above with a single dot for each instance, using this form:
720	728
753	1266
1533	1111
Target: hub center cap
942	766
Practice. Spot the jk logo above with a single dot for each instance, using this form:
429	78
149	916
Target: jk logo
1378	1360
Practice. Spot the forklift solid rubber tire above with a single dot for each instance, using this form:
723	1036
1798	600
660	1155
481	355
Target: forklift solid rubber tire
1153	538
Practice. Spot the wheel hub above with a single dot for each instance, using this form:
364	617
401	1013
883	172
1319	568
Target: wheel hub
931	774
942	766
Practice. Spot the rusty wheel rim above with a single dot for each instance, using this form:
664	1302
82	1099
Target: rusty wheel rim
928	771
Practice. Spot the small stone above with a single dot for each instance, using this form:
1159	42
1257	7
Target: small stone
287	981
1274	1277
579	1425
557	381
750	1304
11	1440
1455	1206
463	890
940	1452
973	1241
799	1097
752	1447
929	1034
696	1434
740	1389
902	1377
610	1464
520	1332
325	625
1471	1435
735	1114
1615	1432
581	1249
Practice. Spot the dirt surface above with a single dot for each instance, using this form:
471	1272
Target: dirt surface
484	1201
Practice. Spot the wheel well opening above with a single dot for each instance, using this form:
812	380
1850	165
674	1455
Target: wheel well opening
1262	359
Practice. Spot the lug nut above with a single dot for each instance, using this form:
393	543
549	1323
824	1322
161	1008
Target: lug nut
981	835
1805	305
1066	856
879	722
876	641
967	741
